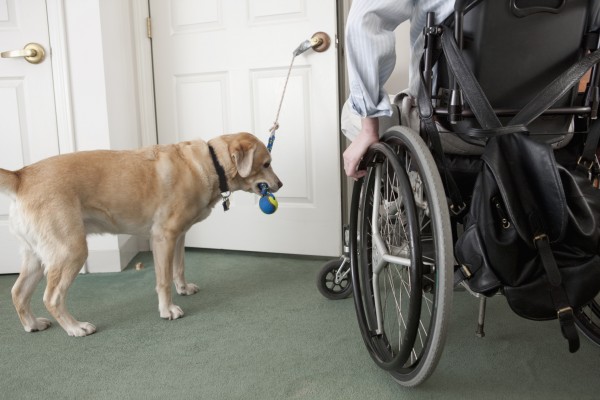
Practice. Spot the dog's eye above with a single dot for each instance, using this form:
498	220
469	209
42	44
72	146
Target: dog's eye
267	165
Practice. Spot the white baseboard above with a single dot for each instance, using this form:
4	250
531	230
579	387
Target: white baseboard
103	261
114	260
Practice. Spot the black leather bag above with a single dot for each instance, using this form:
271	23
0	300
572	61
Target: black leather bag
533	226
531	232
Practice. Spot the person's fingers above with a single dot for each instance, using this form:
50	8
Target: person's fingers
352	171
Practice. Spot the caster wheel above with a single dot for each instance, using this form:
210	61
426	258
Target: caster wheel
334	280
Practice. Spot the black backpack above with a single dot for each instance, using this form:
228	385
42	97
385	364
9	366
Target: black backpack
531	233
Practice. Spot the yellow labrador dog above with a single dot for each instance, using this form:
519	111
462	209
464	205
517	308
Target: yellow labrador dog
158	191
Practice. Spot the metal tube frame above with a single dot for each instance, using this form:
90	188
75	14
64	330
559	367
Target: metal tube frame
380	255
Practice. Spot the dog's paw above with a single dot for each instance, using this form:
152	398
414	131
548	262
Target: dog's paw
171	312
81	329
187	289
40	325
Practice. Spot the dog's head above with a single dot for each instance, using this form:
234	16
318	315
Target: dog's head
252	163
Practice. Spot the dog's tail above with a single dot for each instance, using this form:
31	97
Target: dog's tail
9	181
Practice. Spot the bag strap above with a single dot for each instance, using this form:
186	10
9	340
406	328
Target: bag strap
564	311
429	126
588	155
555	90
472	91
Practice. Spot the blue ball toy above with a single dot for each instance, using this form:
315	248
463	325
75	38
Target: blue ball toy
267	203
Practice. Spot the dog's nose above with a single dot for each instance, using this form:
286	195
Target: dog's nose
277	186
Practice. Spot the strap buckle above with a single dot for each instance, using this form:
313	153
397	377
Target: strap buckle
537	238
465	271
565	313
566	319
458	210
585	163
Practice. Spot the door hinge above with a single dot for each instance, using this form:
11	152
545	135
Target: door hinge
149	27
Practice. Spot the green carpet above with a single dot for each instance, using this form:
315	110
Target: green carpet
259	329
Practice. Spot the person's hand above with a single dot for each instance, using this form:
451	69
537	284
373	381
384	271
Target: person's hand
368	135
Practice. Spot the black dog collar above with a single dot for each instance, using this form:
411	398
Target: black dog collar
223	187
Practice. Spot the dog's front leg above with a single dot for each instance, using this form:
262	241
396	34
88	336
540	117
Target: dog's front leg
182	287
163	248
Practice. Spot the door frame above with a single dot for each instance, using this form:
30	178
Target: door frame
140	12
60	75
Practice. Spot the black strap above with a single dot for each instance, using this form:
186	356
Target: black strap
555	90
471	89
461	273
429	126
588	156
479	137
564	311
223	186
488	133
590	40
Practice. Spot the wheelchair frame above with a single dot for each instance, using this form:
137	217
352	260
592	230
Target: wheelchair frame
403	194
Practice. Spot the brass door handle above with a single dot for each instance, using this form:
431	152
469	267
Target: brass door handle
320	42
32	52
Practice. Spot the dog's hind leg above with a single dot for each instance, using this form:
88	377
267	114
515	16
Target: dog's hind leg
30	276
61	272
163	249
182	287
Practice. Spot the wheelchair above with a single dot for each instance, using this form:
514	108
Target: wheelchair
404	220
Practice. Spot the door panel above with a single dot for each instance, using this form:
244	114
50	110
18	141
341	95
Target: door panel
27	108
220	67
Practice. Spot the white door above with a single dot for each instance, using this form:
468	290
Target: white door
220	67
27	113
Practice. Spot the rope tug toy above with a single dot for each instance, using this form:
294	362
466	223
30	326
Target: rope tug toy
319	42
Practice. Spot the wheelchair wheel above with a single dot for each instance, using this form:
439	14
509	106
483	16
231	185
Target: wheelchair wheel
401	257
588	320
333	280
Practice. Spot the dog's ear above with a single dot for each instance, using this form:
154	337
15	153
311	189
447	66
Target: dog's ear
242	154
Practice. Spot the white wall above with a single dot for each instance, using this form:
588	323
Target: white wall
399	79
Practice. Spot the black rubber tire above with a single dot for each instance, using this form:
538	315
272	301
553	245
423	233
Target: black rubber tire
430	246
587	319
389	349
438	254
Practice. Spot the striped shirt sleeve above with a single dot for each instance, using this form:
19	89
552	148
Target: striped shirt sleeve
370	52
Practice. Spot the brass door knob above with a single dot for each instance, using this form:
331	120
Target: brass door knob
32	52
320	42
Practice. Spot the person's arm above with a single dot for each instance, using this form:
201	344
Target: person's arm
368	135
371	57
